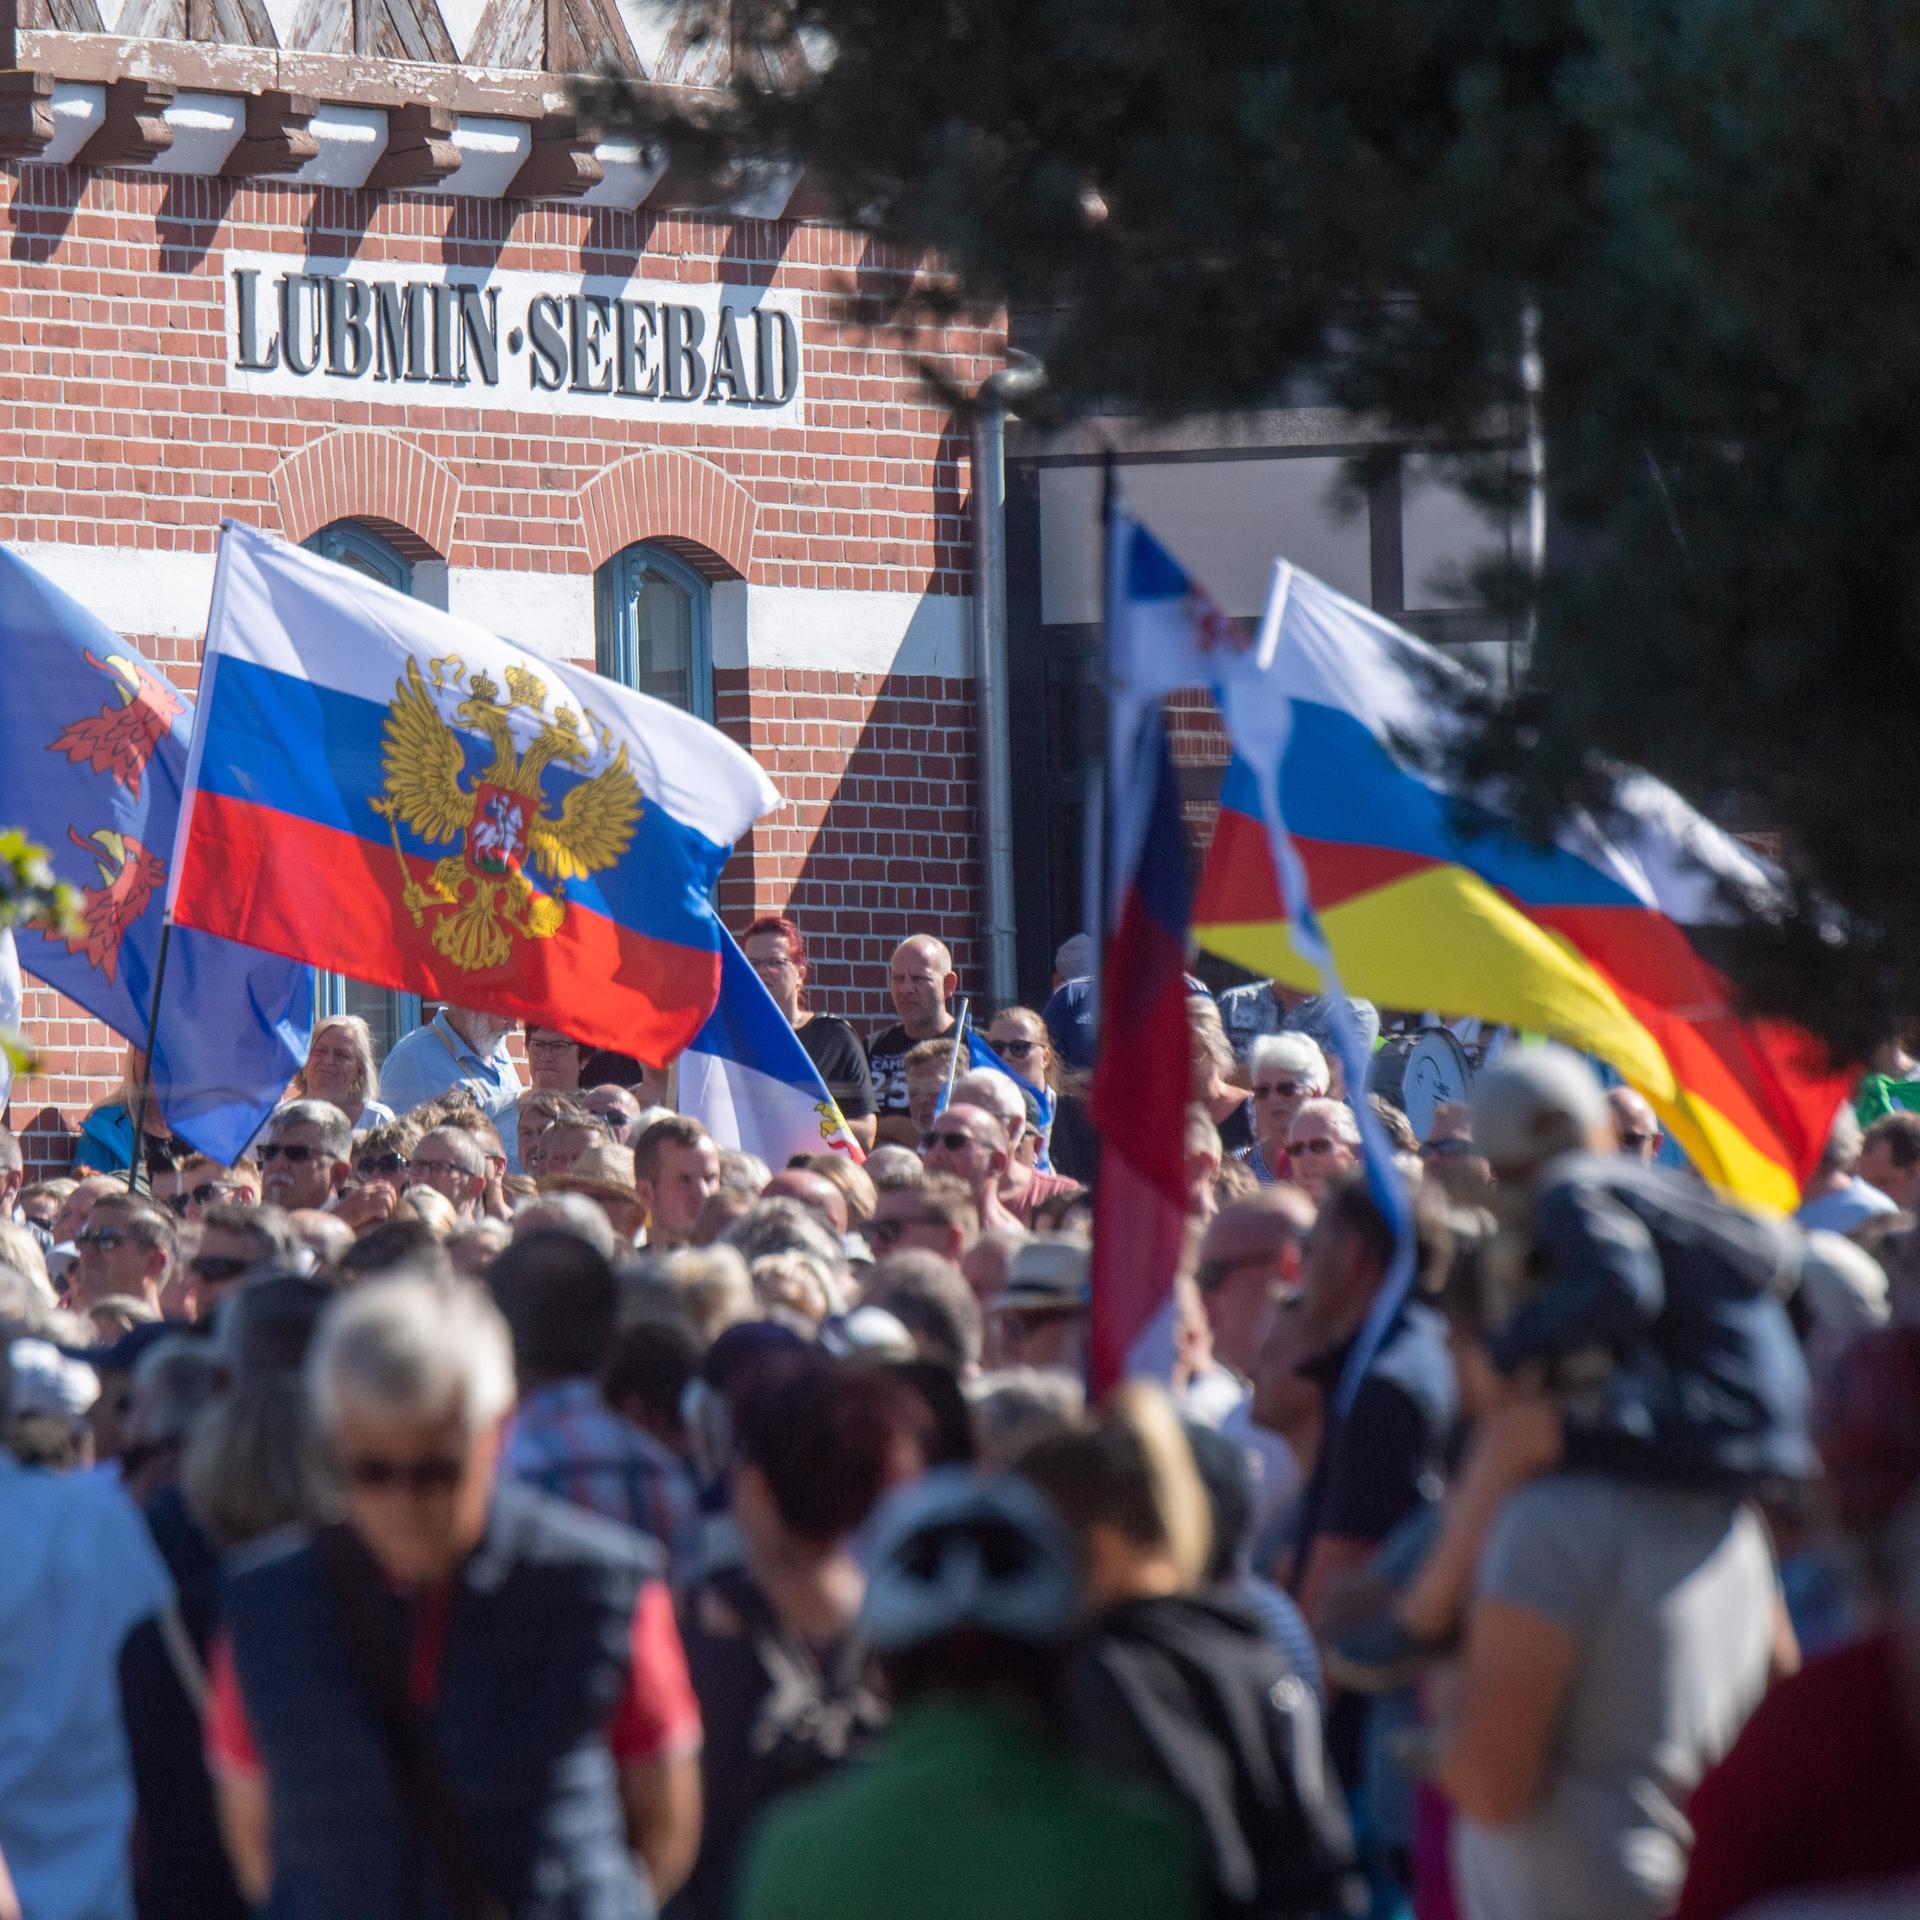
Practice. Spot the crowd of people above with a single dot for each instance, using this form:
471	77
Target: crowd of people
496	1498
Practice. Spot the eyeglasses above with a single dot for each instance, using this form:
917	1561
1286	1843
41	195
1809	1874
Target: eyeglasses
439	1473
105	1238
1632	1142
1319	1144
373	1164
953	1142
421	1169
883	1233
551	1046
1211	1275
294	1156
1446	1149
206	1193
1279	1089
213	1268
1013	1049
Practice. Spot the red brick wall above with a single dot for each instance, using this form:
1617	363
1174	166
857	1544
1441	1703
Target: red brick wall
116	429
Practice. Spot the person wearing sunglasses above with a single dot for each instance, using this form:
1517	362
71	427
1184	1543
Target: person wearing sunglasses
378	1175
938	1216
971	1144
1323	1144
1634	1124
528	1652
205	1183
1287	1070
234	1240
304	1158
127	1248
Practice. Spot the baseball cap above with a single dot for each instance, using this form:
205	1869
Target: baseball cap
43	1380
1537	1103
956	1550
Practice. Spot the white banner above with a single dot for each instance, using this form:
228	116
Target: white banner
547	343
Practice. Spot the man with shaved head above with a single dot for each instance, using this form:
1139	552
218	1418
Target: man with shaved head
923	981
1635	1125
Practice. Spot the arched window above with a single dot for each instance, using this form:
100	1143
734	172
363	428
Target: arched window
653	629
389	1014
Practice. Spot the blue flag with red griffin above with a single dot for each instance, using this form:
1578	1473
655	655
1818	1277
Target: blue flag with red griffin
93	749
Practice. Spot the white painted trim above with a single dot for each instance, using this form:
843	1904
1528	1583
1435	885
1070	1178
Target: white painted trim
351	140
78	111
629	172
491	153
206	128
163	595
829	630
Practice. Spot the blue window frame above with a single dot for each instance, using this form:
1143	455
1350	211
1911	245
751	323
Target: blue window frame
389	1014
653	628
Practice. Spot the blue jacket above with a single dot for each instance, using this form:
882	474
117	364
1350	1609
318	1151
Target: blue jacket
1655	1313
534	1659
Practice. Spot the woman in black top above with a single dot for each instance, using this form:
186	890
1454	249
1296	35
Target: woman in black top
778	954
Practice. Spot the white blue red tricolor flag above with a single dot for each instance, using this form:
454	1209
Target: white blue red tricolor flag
381	788
1158	622
93	751
747	1079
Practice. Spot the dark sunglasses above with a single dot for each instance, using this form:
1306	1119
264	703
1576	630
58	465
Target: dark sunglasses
1632	1142
885	1232
1446	1149
953	1142
216	1267
1015	1049
440	1474
295	1156
1279	1089
379	1163
1321	1144
105	1238
1211	1275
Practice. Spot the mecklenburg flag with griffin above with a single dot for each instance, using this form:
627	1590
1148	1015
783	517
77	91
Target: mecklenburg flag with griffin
93	748
1431	900
384	789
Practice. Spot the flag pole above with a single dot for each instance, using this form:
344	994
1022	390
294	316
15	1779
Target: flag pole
136	1158
953	1059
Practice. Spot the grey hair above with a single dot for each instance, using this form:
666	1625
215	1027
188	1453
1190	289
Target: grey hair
746	1171
781	1225
23	1253
990	1088
336	1130
1294	1053
250	1463
27	1300
1338	1116
412	1349
174	1381
1015	1406
356	1030
574	1213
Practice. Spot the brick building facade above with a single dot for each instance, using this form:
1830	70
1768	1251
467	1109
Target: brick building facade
822	545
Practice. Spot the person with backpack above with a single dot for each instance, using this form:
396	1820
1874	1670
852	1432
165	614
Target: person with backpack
1177	1683
972	1804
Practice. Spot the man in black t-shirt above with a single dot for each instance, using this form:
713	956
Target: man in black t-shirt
922	978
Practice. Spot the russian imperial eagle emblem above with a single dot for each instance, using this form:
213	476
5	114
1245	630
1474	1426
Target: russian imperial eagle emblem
507	822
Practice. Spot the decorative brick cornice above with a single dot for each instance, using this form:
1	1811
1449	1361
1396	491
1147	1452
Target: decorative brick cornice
683	502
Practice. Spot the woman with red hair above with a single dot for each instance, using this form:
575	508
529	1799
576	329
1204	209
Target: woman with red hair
777	952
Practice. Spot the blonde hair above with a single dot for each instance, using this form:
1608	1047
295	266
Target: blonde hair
1133	1470
356	1030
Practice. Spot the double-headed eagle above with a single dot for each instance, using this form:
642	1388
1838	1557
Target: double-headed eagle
481	896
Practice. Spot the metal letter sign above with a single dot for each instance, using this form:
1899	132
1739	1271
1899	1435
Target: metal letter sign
629	348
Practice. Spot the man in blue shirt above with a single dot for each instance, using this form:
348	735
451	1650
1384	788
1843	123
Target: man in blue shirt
458	1047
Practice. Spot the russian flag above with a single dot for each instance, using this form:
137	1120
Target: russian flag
1163	632
378	787
747	1079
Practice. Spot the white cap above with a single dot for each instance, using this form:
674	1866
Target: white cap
1539	1102
1074	960
45	1380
